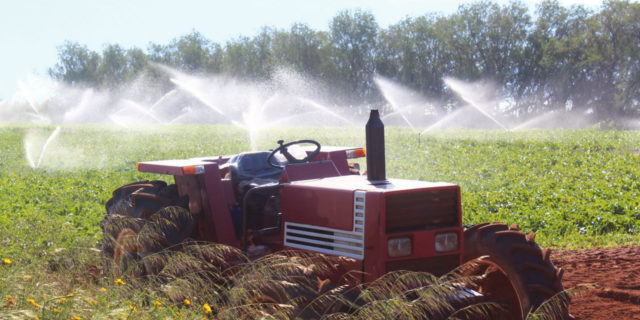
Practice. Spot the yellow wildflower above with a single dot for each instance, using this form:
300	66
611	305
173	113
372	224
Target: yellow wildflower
76	318
33	303
207	308
63	299
120	282
72	294
56	310
132	307
10	301
158	303
103	289
7	261
187	302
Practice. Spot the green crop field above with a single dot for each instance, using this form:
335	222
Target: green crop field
574	188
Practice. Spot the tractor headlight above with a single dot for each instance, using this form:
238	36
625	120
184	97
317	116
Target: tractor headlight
399	247
447	241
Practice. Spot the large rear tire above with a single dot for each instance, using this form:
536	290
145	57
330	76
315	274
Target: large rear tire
143	218
141	199
514	270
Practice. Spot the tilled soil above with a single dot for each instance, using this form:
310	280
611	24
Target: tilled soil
615	271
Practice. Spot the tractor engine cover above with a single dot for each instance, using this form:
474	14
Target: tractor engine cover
391	225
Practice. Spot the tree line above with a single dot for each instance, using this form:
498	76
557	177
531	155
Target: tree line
555	58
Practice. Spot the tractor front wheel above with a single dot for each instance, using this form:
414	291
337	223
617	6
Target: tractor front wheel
512	269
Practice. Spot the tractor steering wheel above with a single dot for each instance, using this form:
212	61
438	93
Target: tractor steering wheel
291	159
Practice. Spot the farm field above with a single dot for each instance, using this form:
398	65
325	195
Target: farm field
577	189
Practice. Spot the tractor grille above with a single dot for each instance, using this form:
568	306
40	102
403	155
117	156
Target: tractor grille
437	266
329	240
426	209
325	240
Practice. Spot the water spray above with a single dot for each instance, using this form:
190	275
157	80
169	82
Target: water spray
25	94
387	88
321	107
196	95
162	99
142	109
465	92
446	119
33	164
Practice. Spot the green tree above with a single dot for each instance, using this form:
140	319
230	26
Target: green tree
352	61
113	68
554	72
566	58
488	41
137	62
76	65
413	53
613	59
192	52
249	57
300	48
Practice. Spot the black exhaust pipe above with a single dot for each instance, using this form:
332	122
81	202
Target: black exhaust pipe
375	148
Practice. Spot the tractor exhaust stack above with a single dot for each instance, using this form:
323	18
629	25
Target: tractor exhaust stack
375	148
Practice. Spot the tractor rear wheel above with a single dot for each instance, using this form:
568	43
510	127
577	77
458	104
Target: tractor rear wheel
514	271
144	217
142	199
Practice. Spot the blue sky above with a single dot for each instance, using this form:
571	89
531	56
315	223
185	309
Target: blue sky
32	29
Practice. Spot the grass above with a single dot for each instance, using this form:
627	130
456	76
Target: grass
195	286
575	188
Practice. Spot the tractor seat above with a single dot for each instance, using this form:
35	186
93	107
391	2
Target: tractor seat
252	165
250	169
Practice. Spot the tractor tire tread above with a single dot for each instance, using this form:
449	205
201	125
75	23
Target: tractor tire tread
527	265
143	207
510	234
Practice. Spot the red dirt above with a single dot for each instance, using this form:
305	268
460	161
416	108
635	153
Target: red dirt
615	271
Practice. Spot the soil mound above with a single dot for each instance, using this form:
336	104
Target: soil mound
615	271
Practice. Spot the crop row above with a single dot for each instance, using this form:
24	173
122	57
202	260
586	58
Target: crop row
573	187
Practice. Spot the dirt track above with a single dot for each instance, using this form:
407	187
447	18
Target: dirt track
616	272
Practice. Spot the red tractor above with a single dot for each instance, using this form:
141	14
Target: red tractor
316	201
